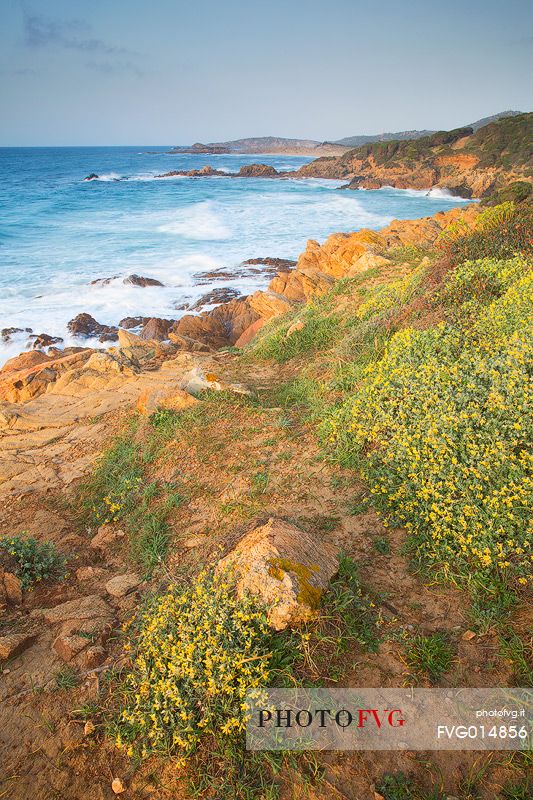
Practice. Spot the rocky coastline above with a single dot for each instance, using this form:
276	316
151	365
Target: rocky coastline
233	321
467	162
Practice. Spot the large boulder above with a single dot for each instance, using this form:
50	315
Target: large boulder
126	339
156	329
235	317
287	568
257	171
19	385
269	304
24	361
84	326
301	284
202	328
250	333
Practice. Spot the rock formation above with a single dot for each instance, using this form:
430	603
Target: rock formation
286	567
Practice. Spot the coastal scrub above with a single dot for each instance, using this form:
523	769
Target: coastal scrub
440	426
196	652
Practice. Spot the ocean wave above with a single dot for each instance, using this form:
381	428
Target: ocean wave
198	222
436	193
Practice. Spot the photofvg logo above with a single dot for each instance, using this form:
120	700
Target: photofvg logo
322	717
390	719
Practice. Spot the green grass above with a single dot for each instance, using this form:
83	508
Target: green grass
348	611
429	656
320	328
382	545
399	786
118	489
523	790
66	678
519	652
302	393
491	603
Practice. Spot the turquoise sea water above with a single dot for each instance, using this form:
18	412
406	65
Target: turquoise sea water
58	233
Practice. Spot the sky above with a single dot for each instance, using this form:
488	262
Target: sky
117	72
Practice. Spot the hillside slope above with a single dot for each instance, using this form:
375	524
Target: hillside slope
357	141
468	163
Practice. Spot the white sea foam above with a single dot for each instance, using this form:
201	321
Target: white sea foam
170	233
199	222
109	176
436	193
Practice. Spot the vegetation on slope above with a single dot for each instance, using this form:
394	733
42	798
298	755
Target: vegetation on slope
437	417
504	143
415	378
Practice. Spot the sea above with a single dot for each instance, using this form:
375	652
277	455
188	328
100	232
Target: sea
59	232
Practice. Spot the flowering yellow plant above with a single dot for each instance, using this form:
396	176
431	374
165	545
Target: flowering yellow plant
442	424
197	651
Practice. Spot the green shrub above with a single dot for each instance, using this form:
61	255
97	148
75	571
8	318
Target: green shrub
516	192
389	296
197	651
499	232
440	428
34	562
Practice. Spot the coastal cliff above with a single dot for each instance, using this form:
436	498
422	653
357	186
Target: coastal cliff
464	162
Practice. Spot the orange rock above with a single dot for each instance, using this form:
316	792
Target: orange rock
269	304
172	400
250	332
18	386
67	647
10	588
202	328
286	567
94	656
235	316
105	536
25	361
14	644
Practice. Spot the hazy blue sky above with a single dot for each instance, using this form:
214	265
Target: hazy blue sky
166	71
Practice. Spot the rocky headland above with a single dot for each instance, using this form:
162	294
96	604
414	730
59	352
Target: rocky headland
465	162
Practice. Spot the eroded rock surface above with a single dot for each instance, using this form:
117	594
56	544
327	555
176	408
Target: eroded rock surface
286	567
